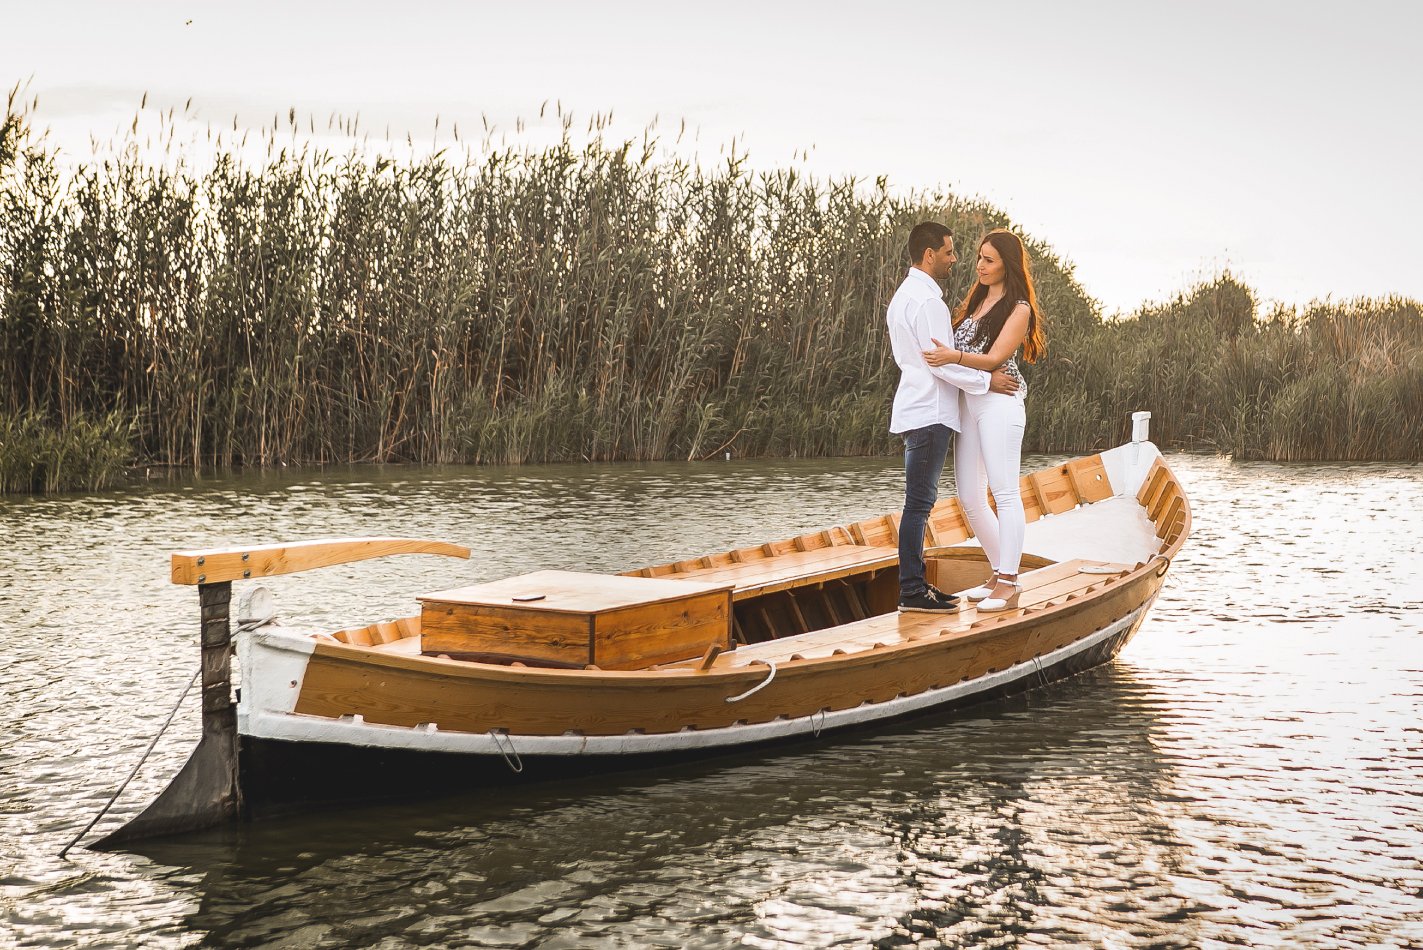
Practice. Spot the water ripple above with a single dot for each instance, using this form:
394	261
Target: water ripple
1244	774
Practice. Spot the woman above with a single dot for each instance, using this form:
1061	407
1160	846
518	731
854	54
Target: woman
999	315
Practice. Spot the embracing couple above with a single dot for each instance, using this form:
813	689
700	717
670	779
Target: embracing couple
971	386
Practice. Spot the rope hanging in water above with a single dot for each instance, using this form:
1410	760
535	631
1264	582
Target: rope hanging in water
144	758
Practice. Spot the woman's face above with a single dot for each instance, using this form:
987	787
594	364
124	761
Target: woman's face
990	266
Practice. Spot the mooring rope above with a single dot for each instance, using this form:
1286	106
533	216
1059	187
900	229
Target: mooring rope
759	686
515	763
1038	665
115	797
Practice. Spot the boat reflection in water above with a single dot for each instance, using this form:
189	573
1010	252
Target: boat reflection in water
1022	817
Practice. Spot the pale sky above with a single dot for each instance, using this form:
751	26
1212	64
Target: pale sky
1151	144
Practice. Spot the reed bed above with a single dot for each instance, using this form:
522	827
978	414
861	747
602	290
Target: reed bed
1337	381
598	302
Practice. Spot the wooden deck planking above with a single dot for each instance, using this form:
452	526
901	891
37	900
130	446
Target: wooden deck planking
1048	585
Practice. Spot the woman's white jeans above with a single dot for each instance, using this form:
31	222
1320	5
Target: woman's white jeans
987	457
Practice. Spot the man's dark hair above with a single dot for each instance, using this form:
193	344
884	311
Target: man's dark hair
925	236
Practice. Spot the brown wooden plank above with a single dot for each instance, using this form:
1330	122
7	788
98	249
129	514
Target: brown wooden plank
1159	489
856	600
269	560
644	635
768	626
1155	476
1055	490
1170	512
479	628
709	657
1032	500
879	532
1089	479
737	633
801	625
795	568
359	636
1170	494
950	525
573	591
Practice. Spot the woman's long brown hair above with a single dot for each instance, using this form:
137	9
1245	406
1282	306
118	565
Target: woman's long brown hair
1017	285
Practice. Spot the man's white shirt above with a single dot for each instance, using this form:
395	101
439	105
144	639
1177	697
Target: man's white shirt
926	395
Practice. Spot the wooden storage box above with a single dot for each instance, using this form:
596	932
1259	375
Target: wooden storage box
564	618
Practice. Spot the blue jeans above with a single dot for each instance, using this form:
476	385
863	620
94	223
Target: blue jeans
924	453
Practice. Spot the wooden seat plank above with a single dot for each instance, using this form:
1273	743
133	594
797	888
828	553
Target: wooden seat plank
794	568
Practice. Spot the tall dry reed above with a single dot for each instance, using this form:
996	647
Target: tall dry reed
600	301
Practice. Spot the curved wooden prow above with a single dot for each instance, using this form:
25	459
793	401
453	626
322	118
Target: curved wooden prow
266	560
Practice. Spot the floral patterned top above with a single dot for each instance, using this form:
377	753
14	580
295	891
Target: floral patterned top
963	340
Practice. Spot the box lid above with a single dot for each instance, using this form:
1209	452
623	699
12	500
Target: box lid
572	592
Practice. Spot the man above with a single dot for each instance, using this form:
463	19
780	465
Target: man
926	405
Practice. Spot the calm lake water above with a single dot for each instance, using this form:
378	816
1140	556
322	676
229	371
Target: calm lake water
1246	774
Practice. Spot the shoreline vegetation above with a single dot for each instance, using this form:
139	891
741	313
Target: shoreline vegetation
564	303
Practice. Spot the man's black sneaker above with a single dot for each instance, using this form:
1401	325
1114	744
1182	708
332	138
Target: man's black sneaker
925	602
951	599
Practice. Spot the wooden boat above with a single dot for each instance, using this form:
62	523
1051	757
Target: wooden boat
557	671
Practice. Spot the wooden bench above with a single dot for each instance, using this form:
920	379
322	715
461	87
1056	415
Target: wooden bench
1052	583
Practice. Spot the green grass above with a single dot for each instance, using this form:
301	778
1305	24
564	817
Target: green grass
86	454
589	302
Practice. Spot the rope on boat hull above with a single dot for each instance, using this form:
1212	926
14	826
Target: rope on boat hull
759	686
511	758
